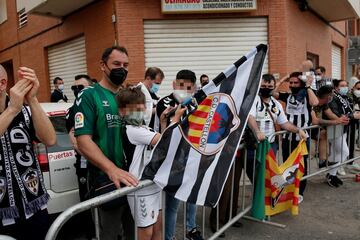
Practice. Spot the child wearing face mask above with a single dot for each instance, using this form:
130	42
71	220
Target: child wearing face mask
145	204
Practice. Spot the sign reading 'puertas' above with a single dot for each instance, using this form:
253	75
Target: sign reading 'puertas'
206	6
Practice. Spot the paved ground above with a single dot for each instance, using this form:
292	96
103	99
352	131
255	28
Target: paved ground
326	213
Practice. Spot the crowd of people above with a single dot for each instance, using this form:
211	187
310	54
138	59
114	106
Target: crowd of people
114	128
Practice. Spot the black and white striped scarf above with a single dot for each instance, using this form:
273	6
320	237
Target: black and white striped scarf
20	170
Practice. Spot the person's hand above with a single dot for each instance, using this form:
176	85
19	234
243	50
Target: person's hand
179	112
302	134
17	94
163	116
117	176
343	120
29	74
260	136
309	80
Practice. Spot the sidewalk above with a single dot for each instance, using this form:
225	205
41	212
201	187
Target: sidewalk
326	213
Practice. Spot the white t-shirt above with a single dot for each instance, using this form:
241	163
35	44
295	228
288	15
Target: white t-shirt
149	103
140	138
263	118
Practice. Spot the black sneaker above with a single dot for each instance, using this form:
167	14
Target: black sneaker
194	234
322	163
338	180
332	181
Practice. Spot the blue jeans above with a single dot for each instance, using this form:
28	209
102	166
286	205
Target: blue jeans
171	209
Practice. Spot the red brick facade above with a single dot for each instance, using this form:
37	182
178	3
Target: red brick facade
291	34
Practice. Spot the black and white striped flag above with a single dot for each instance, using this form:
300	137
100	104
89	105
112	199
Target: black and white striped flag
192	160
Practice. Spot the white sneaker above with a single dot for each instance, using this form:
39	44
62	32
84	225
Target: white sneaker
300	199
341	171
353	167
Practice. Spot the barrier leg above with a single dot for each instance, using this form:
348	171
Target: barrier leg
97	223
265	222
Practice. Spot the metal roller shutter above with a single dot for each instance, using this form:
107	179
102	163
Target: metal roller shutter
67	60
205	46
336	61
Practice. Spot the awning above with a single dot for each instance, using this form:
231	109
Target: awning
53	8
336	10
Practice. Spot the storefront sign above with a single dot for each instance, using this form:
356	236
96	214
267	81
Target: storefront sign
206	6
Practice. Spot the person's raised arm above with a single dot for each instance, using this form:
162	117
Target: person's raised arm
45	131
17	96
275	92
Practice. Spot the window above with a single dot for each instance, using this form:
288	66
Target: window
22	18
314	58
3	11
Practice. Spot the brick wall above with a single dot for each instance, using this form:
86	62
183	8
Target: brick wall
94	22
292	33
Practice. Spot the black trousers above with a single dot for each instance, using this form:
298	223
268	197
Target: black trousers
34	228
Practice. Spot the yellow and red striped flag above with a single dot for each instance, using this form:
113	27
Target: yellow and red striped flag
282	182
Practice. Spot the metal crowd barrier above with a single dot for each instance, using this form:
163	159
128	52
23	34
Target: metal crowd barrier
246	190
93	203
333	132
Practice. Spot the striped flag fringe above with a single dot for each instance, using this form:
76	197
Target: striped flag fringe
192	160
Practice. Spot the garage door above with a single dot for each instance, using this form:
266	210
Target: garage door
67	60
336	62
205	46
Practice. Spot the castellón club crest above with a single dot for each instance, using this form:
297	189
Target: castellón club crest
208	127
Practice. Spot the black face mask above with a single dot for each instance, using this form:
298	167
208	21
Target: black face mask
76	89
295	90
118	75
265	92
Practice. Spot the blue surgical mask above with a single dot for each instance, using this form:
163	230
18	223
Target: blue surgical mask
135	118
155	87
343	91
61	87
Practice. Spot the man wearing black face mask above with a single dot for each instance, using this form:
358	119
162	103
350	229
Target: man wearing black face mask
81	81
298	110
98	135
267	112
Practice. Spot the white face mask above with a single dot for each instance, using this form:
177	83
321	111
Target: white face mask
357	93
135	118
61	87
181	95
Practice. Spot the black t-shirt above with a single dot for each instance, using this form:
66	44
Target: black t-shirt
56	96
70	115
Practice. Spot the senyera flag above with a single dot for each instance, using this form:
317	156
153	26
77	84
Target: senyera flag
192	160
282	182
277	187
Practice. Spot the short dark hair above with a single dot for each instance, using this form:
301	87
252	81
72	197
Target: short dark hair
152	72
297	74
56	79
267	77
324	91
108	51
336	82
322	69
203	75
129	95
85	76
186	75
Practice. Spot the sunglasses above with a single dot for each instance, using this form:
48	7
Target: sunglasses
77	87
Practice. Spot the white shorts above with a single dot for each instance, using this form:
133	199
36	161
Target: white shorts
145	207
